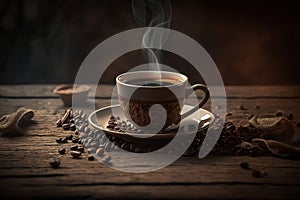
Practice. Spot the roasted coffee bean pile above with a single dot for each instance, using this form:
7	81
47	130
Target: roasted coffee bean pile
116	124
82	137
234	140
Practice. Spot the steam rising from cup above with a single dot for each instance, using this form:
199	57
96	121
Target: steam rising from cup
153	13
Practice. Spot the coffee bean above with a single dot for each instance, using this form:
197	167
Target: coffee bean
54	163
92	150
244	165
75	140
66	126
62	151
66	116
72	121
229	114
81	128
110	126
257	173
80	149
75	154
74	147
69	137
87	129
72	127
91	158
76	132
58	123
290	116
64	140
279	114
241	107
256	107
83	116
79	141
94	144
250	116
106	158
91	134
59	140
100	151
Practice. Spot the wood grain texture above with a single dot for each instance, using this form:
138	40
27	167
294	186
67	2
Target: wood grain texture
25	172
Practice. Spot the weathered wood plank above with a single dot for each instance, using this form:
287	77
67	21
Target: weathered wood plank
105	91
24	160
218	191
225	170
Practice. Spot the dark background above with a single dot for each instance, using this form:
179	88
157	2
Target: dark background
252	42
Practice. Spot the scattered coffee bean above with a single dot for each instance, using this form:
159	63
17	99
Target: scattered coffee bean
58	123
74	147
244	165
250	116
258	173
59	140
66	126
87	129
229	114
81	149
72	127
66	116
76	132
64	140
72	121
110	126
54	163
290	116
256	107
100	151
62	151
241	107
106	158
92	150
69	137
91	158
81	128
75	154
279	114
75	140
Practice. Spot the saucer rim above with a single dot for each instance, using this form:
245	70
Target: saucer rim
106	130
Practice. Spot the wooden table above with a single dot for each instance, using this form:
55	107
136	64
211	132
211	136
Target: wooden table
25	171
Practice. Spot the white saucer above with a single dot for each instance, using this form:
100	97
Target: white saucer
99	119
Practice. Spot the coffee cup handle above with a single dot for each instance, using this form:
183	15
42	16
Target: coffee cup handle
205	90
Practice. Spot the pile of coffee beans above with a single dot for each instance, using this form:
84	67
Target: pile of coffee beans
82	137
234	140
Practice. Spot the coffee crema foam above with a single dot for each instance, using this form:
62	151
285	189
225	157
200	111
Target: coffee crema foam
154	82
